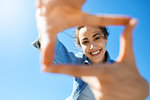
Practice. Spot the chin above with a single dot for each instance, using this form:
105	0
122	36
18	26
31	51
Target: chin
97	61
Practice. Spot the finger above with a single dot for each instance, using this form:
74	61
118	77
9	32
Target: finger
72	70
78	70
76	3
105	20
126	47
38	3
43	6
48	54
48	41
127	33
49	7
80	3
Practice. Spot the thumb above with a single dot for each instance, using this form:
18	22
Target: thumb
47	50
48	54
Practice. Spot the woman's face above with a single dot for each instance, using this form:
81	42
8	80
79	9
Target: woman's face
93	43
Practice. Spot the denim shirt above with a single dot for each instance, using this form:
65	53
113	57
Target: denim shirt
62	56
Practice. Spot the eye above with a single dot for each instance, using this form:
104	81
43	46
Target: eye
97	38
85	42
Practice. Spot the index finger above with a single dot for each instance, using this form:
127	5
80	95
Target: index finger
38	3
78	70
126	47
105	20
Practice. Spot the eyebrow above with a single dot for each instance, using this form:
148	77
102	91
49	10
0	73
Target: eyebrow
97	34
85	39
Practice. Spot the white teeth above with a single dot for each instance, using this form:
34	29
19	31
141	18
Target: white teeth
94	53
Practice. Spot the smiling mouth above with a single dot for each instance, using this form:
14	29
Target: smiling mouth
95	53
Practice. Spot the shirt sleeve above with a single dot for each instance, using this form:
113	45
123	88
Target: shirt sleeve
36	44
62	55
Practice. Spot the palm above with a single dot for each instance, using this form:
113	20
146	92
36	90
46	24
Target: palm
121	77
116	82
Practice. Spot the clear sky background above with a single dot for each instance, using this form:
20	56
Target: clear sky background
20	75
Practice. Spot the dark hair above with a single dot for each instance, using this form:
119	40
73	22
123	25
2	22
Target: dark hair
103	29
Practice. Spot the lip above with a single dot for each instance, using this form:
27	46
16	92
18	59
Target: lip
95	52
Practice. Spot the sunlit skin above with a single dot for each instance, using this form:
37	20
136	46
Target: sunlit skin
93	43
118	81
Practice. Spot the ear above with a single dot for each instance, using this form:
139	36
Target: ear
106	40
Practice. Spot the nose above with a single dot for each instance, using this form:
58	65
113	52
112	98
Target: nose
91	46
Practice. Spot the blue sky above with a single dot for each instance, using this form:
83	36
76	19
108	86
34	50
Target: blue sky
20	75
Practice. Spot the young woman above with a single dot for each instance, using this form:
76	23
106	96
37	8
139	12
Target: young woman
93	41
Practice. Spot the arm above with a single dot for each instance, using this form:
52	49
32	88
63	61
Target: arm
63	56
61	52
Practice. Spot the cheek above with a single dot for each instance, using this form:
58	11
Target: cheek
102	44
104	47
85	49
